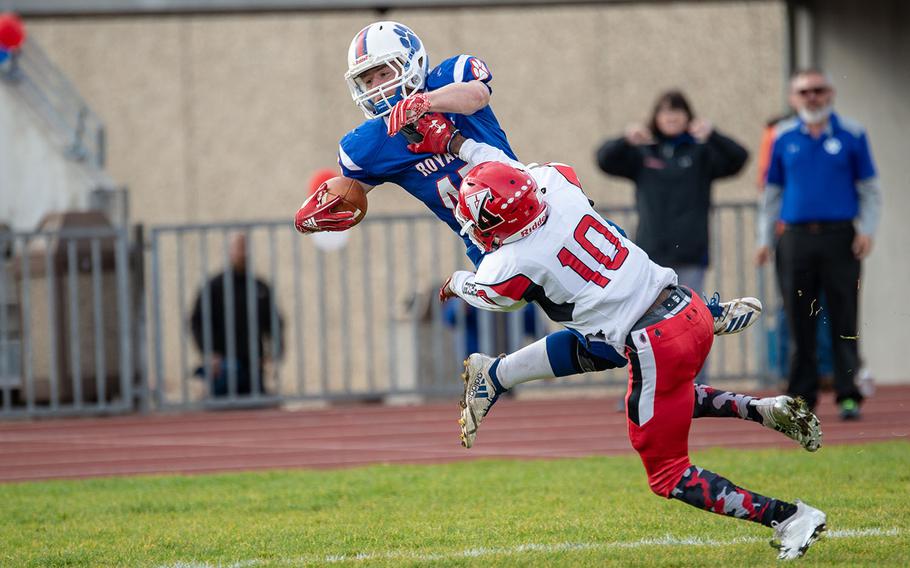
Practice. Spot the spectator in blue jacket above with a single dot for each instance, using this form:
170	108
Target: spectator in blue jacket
822	185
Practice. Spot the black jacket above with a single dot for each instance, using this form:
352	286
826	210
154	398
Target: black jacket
263	299
673	190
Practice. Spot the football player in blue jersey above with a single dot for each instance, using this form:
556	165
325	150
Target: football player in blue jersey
390	79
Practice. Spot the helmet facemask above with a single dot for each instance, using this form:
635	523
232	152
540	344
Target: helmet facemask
484	241
396	47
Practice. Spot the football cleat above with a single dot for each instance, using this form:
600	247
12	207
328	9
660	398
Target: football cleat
733	316
479	395
794	535
792	418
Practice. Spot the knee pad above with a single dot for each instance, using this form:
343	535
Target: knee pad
588	361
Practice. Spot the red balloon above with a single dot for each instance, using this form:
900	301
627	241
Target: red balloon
321	176
12	32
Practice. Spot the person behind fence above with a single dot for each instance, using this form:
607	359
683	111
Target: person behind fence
673	161
822	184
545	243
223	309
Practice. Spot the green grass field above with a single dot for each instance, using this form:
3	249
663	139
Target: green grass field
583	512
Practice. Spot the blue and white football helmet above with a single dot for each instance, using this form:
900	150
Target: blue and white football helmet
396	46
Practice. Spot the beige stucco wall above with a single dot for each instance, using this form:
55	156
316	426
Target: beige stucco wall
223	118
865	50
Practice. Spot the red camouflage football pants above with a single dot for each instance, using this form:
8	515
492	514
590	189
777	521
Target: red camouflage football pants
666	348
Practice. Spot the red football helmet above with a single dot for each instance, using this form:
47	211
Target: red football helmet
498	204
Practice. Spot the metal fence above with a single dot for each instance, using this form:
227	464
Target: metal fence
79	130
94	321
67	328
362	322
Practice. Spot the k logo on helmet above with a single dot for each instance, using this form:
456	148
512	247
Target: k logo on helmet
476	203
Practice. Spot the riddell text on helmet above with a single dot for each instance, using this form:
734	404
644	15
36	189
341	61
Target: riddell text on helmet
536	225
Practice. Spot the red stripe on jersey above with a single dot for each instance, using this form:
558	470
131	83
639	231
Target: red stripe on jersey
483	296
515	287
567	172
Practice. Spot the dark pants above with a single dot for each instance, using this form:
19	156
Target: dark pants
813	258
221	381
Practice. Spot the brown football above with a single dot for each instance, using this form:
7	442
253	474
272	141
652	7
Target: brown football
353	197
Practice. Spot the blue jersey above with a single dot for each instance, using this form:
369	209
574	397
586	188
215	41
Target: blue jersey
369	155
819	176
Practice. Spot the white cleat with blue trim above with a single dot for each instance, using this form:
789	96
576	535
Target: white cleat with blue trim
479	395
734	316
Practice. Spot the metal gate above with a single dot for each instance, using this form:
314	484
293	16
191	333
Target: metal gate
66	322
354	316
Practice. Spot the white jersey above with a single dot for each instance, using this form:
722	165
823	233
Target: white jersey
576	266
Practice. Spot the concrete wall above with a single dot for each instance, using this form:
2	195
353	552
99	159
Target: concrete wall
865	48
225	117
205	112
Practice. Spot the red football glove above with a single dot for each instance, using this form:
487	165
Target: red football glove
314	217
408	111
437	131
446	291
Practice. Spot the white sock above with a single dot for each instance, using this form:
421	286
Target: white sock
527	364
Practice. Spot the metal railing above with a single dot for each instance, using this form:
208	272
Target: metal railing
356	320
362	322
54	98
66	323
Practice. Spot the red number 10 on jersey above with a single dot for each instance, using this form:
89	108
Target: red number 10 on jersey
567	258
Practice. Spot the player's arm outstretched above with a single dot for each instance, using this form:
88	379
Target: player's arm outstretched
463	284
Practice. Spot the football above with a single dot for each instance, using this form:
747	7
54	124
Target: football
353	197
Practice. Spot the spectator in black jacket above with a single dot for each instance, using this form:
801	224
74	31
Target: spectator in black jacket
232	329
673	161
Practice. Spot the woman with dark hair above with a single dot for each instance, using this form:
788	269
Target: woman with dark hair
673	162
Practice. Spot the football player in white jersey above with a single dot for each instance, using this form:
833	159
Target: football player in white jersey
392	83
544	243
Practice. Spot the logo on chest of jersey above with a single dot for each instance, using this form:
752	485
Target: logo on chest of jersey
832	146
434	163
654	163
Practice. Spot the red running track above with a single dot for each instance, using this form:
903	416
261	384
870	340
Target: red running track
348	436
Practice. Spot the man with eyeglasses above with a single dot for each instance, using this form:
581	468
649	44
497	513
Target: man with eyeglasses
822	185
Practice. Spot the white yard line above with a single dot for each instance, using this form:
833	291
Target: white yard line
667	540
